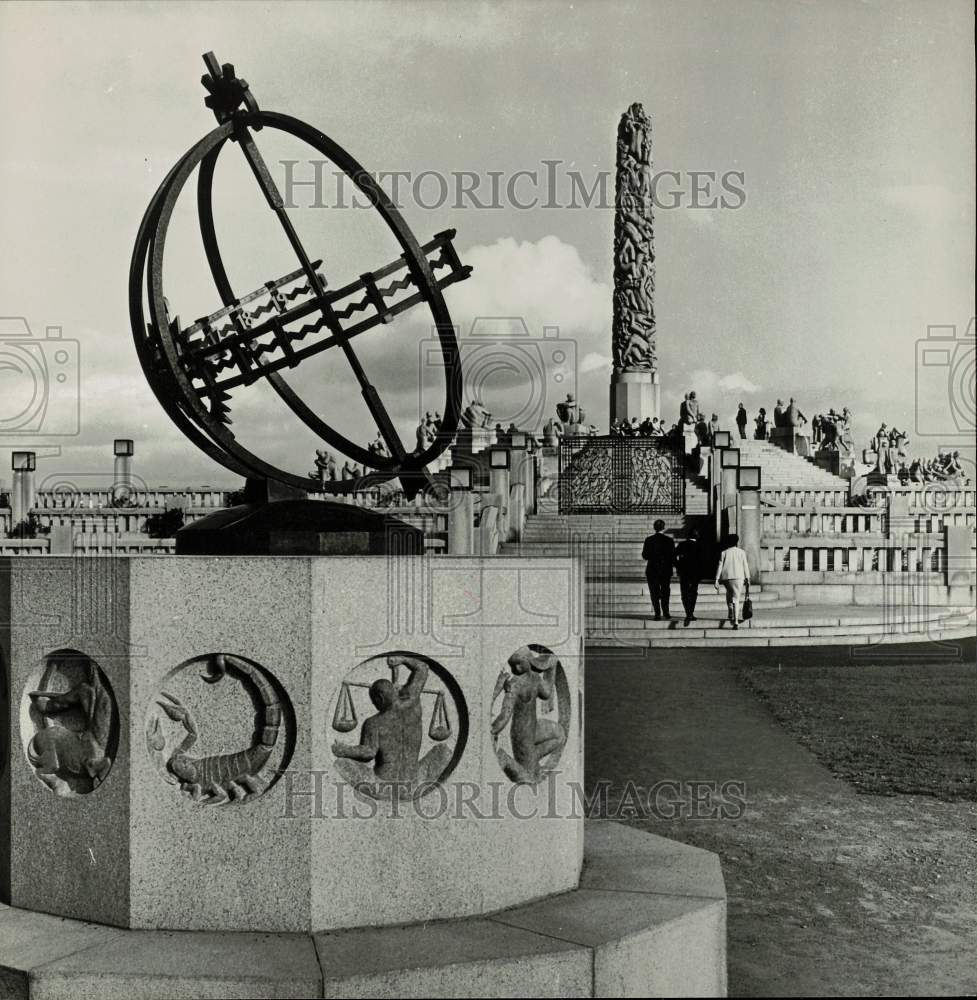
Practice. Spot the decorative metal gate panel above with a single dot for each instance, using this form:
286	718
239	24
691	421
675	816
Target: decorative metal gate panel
616	475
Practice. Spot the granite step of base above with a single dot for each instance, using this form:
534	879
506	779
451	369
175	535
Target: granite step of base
805	616
597	606
648	919
683	639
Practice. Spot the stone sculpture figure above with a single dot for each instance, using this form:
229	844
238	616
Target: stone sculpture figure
427	432
325	467
552	432
377	446
60	750
571	413
634	250
390	741
688	412
475	416
532	679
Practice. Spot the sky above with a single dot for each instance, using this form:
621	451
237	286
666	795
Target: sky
830	229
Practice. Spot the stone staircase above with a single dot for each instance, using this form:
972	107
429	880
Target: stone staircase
618	606
785	474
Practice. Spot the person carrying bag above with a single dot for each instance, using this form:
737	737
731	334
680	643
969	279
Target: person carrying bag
733	572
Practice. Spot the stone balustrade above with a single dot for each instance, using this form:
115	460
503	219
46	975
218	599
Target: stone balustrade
65	498
788	497
928	521
925	554
24	546
787	520
116	544
932	496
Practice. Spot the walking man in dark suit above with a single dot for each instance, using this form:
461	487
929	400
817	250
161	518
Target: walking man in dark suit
659	552
688	560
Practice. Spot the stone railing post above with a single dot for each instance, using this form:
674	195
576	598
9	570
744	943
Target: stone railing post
518	484
749	517
22	499
499	479
461	512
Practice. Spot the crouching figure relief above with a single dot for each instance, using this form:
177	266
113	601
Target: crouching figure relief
75	724
534	681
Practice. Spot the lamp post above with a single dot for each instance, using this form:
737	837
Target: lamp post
499	477
22	464
461	511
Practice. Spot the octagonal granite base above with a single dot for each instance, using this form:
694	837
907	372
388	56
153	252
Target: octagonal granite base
649	919
213	743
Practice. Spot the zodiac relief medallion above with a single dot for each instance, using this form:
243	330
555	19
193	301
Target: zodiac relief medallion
413	731
533	719
187	717
70	723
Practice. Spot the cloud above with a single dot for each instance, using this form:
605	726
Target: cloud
546	283
706	382
932	204
738	382
595	362
531	318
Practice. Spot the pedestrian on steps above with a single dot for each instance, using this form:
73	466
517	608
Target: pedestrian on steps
733	572
688	561
741	419
659	554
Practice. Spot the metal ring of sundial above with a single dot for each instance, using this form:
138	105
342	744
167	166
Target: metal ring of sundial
262	333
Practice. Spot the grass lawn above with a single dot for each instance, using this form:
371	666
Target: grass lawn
887	728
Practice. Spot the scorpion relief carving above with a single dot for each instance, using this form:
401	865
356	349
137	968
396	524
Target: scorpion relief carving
200	734
414	726
70	723
527	745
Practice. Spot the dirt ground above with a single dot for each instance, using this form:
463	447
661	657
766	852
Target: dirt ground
830	892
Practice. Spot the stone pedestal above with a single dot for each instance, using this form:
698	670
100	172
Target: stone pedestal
649	919
882	479
749	528
113	819
472	440
792	440
830	461
634	394
461	523
499	480
961	568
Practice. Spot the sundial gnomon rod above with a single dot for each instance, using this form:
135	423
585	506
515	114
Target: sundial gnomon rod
244	138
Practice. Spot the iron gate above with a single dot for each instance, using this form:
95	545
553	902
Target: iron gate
618	475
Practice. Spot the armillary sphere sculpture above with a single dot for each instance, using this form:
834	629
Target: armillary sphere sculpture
262	333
